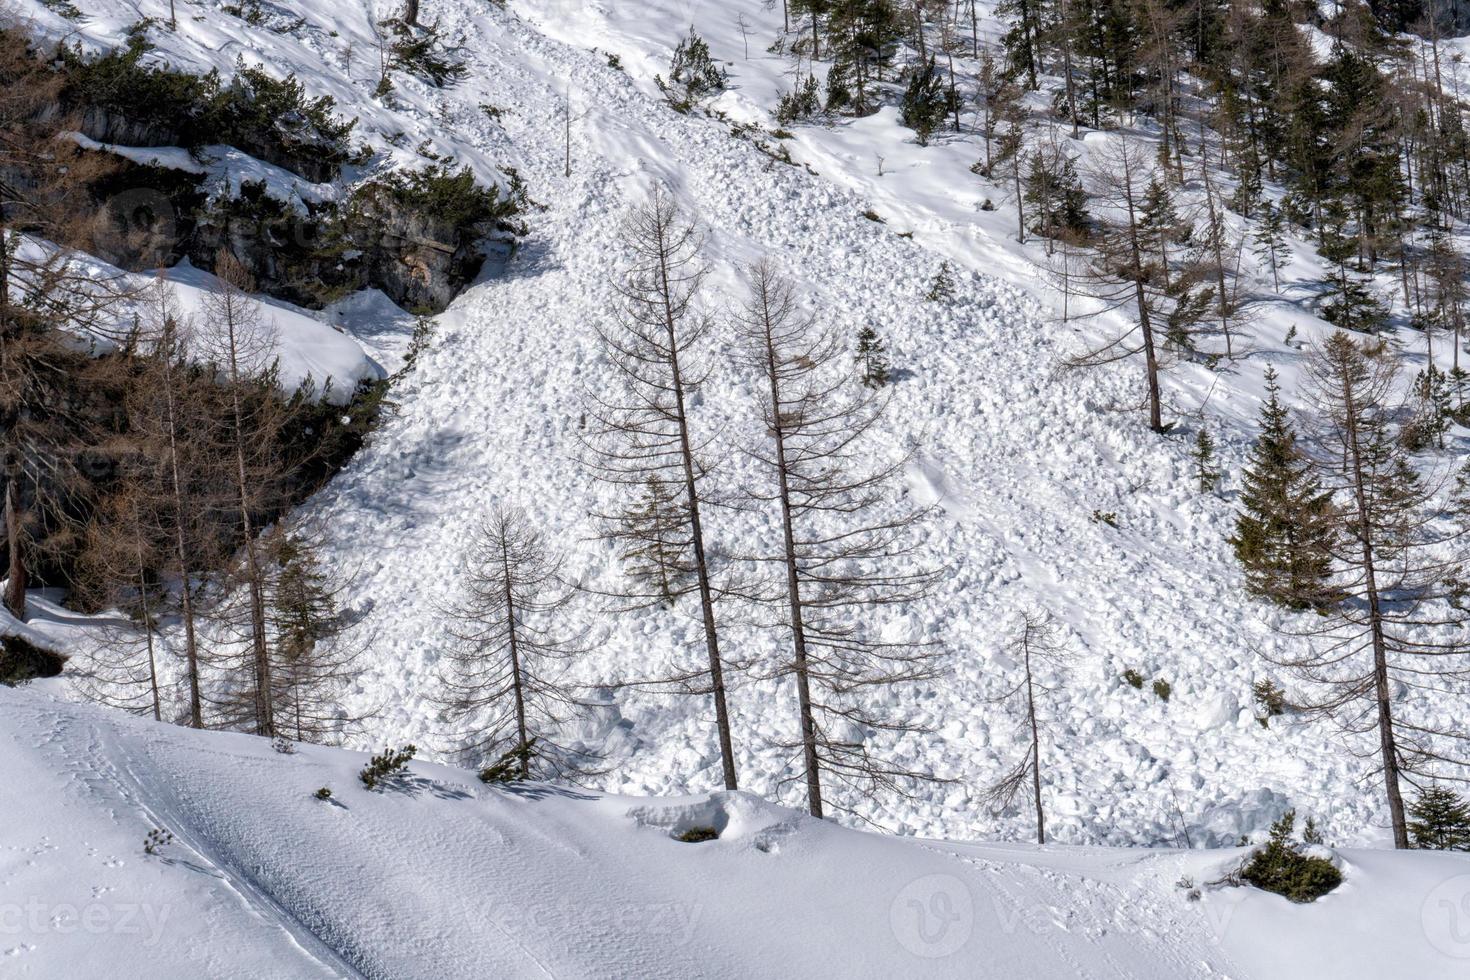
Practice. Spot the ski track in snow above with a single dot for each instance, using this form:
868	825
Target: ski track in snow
1018	453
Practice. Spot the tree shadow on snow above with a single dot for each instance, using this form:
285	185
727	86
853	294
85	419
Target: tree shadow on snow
411	785
546	791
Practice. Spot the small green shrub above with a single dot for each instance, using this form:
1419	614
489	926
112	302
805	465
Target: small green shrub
1108	517
1134	678
63	8
941	287
1162	689
1279	866
323	794
156	841
386	765
510	766
803	103
253	111
1270	699
693	74
452	197
698	835
419	50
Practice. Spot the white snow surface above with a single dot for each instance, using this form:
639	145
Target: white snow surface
304	345
438	876
1019	453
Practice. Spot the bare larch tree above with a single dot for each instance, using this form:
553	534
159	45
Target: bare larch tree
242	349
844	550
643	441
1036	645
1399	561
1121	273
505	686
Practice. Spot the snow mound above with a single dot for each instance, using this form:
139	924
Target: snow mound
440	877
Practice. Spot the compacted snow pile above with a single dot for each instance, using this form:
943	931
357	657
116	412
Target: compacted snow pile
435	875
1049	492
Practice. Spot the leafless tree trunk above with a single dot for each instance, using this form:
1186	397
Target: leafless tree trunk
504	683
1037	644
1119	274
243	347
1400	561
843	533
15	584
644	434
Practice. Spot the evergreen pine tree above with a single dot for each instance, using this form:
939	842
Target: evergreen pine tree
1431	410
1441	820
941	289
1159	223
655	543
1204	461
1353	306
693	74
1270	242
926	100
1054	193
1282	534
872	358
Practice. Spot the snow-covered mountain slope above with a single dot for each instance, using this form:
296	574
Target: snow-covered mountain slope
438	876
1023	458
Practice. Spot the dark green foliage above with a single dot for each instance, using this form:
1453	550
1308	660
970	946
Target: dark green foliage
862	36
1283	532
941	288
1270	699
698	835
254	102
656	556
120	81
419	50
1280	866
926	100
512	765
386	765
441	195
63	8
1352	305
1054	196
1440	820
323	794
22	661
262	115
420	341
1108	517
1432	411
803	103
1270	245
1162	689
1204	461
1134	678
872	358
693	74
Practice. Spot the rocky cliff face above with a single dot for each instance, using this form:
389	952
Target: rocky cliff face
150	217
